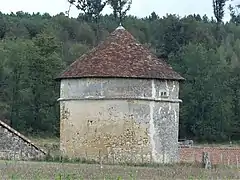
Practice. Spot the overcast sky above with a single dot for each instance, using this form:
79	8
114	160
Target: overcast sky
140	8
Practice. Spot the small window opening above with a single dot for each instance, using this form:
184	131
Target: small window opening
90	122
163	94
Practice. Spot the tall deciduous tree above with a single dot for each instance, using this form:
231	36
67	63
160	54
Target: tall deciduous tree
14	57
218	9
92	10
120	8
234	13
153	16
43	67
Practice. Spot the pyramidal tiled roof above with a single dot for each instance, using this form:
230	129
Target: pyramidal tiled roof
120	55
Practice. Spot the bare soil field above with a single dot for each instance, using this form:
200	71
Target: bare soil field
69	171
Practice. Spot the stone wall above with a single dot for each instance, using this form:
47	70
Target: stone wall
120	120
15	146
218	155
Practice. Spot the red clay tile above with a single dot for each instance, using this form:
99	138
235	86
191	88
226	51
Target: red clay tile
120	55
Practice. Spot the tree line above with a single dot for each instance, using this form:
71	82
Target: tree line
35	48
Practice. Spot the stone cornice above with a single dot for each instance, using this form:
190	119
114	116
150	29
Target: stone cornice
121	98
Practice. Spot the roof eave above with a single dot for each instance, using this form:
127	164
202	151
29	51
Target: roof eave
81	77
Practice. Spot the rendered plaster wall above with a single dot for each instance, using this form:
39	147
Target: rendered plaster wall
114	88
120	120
14	147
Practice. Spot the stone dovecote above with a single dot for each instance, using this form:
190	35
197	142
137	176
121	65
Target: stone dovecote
120	103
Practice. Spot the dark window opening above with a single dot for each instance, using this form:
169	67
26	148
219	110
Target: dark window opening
164	94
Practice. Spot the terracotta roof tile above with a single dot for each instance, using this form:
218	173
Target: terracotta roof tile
120	55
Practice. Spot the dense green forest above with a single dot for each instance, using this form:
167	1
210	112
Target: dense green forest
35	48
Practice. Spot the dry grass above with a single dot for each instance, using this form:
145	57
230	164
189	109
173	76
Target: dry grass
68	171
48	144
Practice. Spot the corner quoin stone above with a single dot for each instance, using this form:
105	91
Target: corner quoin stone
14	146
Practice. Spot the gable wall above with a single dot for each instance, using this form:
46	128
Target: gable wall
14	146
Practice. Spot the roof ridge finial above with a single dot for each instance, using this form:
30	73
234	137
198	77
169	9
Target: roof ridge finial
120	27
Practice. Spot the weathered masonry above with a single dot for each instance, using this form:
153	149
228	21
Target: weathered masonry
14	146
119	103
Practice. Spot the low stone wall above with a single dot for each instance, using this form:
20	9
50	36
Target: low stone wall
14	146
218	155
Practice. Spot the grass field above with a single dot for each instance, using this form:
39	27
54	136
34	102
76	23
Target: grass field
69	171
